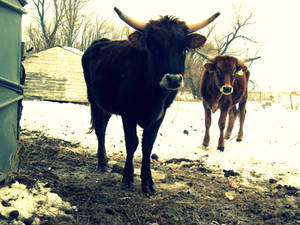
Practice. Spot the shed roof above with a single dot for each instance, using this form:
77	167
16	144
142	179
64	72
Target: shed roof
55	74
54	61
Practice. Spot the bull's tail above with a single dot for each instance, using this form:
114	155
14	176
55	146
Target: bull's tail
91	100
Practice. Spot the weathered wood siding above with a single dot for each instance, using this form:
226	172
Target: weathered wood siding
55	74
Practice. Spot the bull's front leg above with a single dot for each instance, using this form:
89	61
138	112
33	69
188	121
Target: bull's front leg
222	122
131	140
207	124
149	136
232	117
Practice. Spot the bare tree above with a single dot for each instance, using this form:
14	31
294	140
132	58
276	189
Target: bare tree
240	24
73	19
34	38
99	29
50	27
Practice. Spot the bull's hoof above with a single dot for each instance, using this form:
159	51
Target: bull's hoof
148	189
239	139
102	169
221	149
127	185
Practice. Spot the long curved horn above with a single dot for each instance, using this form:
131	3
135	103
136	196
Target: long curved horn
137	25
197	26
241	61
209	58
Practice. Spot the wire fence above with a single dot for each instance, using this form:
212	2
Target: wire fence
289	100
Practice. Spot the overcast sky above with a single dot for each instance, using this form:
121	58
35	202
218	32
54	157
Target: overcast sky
276	27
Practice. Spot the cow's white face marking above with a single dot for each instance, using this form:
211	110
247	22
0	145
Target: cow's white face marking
240	73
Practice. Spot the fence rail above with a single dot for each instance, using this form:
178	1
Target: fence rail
290	100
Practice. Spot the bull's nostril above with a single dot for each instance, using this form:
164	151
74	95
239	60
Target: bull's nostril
168	78
227	89
172	81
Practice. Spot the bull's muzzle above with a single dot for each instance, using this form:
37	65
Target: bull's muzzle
172	81
226	89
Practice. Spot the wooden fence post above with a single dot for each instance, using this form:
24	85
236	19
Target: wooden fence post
291	100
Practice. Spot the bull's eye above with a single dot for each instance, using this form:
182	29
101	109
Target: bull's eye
219	72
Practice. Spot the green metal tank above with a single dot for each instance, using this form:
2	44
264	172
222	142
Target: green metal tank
11	92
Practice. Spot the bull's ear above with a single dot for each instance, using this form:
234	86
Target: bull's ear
196	40
210	67
137	38
242	67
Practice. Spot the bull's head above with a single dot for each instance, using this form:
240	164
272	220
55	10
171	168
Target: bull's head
225	69
166	40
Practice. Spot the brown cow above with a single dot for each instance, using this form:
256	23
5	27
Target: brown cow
224	84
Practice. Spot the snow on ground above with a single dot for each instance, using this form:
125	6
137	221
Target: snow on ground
270	149
20	202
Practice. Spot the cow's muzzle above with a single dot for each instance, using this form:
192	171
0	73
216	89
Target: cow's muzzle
226	89
172	81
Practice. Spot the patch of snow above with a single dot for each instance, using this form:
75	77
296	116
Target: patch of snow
38	201
74	50
270	149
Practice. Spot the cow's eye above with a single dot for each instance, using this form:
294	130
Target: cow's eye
219	72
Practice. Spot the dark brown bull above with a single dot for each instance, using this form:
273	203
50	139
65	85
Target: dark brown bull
138	79
224	84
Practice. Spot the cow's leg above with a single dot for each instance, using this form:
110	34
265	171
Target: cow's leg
242	114
149	136
131	141
232	117
222	122
99	121
207	124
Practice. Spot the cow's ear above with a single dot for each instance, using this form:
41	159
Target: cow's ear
210	67
137	38
241	67
196	40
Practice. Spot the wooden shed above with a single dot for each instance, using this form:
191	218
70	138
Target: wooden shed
55	74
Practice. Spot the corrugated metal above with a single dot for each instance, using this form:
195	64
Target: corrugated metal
10	89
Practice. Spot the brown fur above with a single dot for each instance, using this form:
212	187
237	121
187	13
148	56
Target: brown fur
213	99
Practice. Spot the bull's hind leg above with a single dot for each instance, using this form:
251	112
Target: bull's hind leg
232	117
242	114
99	122
131	140
222	122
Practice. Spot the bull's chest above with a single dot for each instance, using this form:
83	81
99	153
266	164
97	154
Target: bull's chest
151	115
214	103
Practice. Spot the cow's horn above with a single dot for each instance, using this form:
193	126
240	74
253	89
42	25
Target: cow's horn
197	26
209	58
248	59
131	22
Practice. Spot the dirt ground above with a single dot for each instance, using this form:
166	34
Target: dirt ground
187	191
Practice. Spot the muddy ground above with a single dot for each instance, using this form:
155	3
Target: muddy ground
187	191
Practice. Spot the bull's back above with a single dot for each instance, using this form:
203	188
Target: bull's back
109	70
